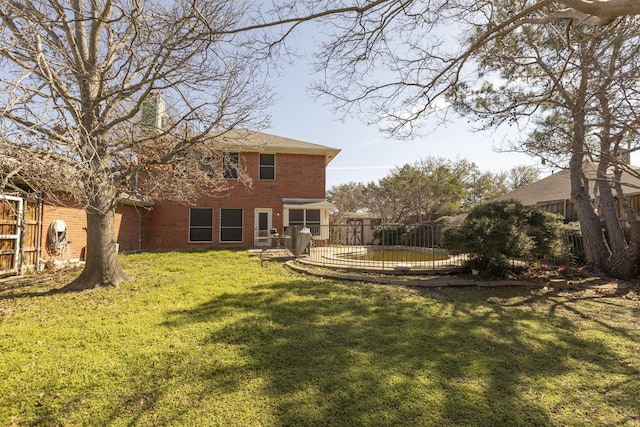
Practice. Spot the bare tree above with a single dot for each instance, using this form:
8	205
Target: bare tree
78	76
418	49
578	89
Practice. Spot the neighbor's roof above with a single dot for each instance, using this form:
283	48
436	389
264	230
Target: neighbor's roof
557	187
360	215
246	140
308	203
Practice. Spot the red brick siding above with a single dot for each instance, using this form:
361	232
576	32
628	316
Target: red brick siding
76	222
297	176
127	228
166	225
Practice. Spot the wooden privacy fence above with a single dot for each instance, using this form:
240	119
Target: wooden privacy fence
19	234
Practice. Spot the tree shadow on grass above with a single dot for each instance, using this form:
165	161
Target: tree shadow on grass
315	352
332	354
39	284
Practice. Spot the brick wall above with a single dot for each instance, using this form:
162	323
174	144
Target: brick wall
75	220
297	176
127	228
166	224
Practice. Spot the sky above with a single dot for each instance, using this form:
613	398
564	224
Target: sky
366	154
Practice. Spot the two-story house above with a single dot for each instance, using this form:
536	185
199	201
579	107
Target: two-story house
287	188
288	179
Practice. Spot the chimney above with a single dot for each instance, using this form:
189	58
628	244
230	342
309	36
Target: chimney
153	111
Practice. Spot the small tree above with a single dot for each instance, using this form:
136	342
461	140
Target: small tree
494	232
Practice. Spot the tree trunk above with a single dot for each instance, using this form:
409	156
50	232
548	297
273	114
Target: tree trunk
622	266
622	262
592	237
595	249
594	243
102	267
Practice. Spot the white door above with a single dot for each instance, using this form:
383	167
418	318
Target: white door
262	226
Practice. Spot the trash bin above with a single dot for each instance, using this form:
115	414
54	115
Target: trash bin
299	239
303	241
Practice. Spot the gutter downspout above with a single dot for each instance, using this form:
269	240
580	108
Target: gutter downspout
39	233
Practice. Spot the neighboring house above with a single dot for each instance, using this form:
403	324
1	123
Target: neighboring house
553	193
288	189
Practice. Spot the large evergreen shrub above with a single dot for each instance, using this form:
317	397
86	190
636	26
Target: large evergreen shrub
495	233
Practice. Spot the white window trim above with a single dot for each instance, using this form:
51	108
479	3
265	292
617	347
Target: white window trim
324	218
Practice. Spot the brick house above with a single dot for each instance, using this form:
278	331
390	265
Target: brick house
288	179
288	188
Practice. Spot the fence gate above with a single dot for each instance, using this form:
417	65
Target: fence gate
19	234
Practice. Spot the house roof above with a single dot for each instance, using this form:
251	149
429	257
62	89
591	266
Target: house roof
135	200
360	215
308	203
557	187
247	141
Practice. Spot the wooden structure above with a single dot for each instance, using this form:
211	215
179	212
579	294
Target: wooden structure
19	234
355	228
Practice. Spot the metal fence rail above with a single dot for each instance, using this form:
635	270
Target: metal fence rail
413	248
387	247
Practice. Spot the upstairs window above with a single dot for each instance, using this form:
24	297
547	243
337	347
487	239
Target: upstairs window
216	165
207	164
230	165
267	166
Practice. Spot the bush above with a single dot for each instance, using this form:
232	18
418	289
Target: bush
426	235
495	232
389	234
572	247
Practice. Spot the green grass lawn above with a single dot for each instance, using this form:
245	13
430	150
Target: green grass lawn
217	338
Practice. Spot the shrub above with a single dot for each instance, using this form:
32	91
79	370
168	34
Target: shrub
426	235
389	234
572	247
495	232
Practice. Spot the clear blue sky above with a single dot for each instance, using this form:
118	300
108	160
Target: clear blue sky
367	155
